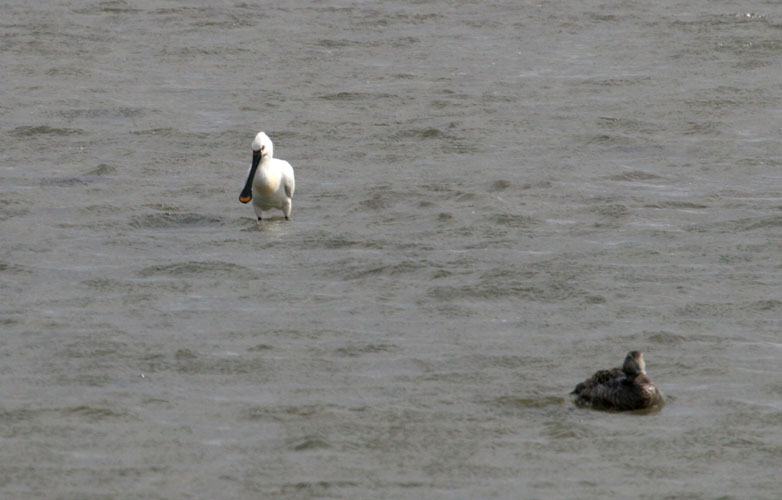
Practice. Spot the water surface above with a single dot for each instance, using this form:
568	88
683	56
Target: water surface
493	201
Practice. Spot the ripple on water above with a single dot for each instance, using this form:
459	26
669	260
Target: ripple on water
93	414
32	131
357	350
349	270
94	113
513	220
203	269
634	176
172	220
535	401
310	442
327	240
664	337
499	185
755	223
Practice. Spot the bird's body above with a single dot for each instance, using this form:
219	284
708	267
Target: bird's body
273	186
270	181
626	388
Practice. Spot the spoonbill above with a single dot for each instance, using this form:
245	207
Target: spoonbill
270	181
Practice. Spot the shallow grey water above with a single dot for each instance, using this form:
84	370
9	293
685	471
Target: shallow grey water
493	201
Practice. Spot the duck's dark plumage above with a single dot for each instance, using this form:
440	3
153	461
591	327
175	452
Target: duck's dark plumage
625	388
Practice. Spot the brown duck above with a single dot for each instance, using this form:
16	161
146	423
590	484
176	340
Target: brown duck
626	388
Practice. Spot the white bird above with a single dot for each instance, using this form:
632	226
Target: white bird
270	181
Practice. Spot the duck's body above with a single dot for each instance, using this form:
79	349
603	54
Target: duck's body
270	181
626	388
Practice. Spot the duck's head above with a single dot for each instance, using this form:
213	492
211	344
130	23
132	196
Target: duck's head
634	364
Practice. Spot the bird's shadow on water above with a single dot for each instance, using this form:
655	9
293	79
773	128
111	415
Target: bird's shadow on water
551	402
644	411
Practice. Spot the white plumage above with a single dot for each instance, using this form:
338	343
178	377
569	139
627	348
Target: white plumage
270	182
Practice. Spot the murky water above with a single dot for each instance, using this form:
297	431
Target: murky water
493	200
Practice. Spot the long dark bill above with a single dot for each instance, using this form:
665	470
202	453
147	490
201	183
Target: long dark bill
247	192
